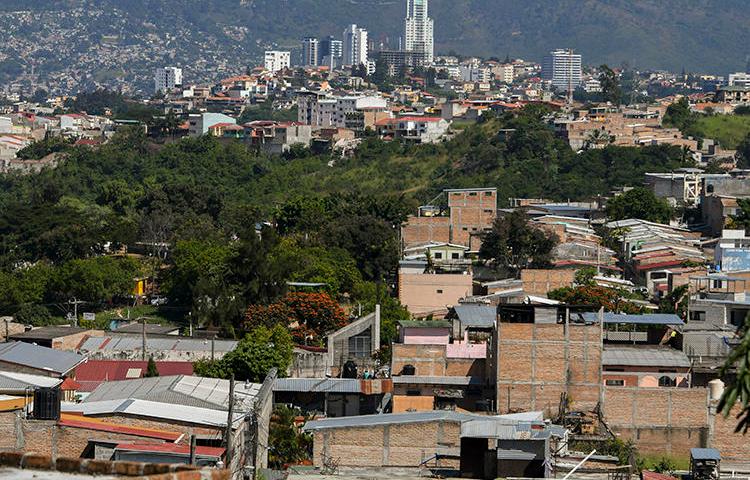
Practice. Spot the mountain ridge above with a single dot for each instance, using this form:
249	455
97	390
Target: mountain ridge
698	35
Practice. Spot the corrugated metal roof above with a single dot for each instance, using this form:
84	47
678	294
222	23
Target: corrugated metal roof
151	328
504	429
645	319
17	382
414	379
92	373
389	419
146	408
211	393
40	358
644	357
511	454
476	315
316	385
48	333
134	342
705	454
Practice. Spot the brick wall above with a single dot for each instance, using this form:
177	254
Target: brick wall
421	230
659	420
733	446
428	360
13	328
470	214
536	363
395	445
47	438
646	407
71	342
541	281
464	367
431	360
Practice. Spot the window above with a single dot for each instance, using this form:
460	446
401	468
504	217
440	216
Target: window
697	316
438	255
465	229
487	194
473	194
615	383
413	393
439	291
665	381
360	345
455	255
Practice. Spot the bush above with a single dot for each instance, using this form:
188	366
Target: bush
36	315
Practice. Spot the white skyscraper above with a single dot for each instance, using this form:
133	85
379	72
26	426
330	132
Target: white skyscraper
167	78
418	29
276	60
563	69
355	45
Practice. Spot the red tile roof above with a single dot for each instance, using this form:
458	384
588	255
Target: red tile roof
171	448
671	263
389	121
69	384
91	374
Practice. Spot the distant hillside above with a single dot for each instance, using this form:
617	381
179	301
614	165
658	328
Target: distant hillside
699	35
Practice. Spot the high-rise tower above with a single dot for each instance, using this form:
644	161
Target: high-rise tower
419	29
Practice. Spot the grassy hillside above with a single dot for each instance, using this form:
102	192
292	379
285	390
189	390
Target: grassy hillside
729	130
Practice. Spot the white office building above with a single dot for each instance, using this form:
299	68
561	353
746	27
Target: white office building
310	52
739	79
355	45
563	69
419	29
276	60
167	78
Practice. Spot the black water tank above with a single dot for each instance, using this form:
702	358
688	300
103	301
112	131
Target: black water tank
46	404
350	370
408	370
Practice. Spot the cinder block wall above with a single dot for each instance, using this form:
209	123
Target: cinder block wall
536	363
397	445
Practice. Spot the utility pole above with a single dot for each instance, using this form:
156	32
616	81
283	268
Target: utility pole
75	302
192	449
230	421
143	339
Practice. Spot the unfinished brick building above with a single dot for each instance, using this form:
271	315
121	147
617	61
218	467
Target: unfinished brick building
534	360
471	211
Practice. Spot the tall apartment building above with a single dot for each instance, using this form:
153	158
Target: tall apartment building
276	60
167	78
563	69
504	72
740	79
355	45
310	52
419	29
331	52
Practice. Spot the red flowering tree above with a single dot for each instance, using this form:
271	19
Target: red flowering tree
611	299
308	316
